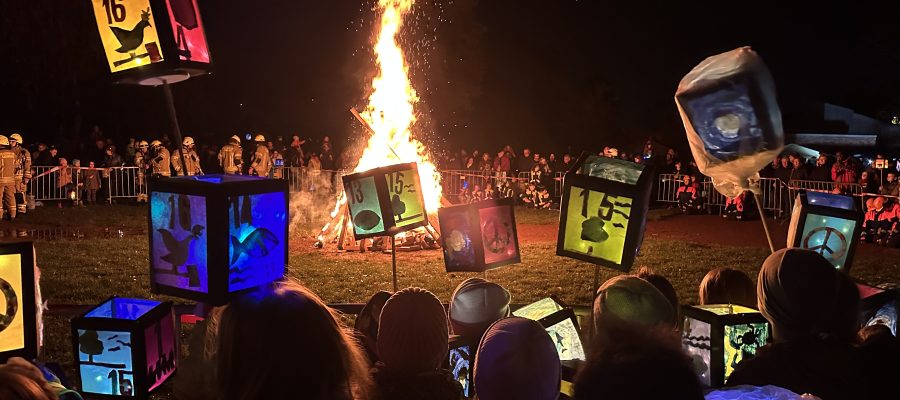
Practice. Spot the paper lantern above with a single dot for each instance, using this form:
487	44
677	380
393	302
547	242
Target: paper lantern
560	322
461	362
604	210
719	336
146	41
212	236
479	236
385	201
879	306
18	302
828	224
731	117
125	347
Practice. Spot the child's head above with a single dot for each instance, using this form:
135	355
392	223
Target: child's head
91	164
21	380
686	180
727	286
516	359
475	304
665	287
413	332
273	337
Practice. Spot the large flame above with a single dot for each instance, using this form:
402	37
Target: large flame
391	108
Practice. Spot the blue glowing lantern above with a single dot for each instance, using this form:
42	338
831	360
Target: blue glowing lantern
479	236
19	302
216	235
125	347
719	336
829	224
385	201
604	211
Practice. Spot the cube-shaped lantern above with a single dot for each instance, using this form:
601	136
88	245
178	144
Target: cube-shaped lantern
212	236
479	236
148	41
385	201
18	302
879	306
719	336
828	224
125	347
604	211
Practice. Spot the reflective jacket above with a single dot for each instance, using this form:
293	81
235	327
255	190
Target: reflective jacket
7	166
23	168
230	159
193	162
159	164
261	163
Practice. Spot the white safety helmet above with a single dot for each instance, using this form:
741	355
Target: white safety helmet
156	143
235	138
259	138
4	141
16	138
188	141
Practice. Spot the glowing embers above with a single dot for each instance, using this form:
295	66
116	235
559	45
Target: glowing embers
385	201
479	236
604	208
719	336
216	236
18	303
828	224
125	347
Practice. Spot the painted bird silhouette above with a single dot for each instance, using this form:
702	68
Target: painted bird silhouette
130	40
256	244
178	249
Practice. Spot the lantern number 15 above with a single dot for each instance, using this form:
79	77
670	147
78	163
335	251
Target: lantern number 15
604	202
114	10
395	181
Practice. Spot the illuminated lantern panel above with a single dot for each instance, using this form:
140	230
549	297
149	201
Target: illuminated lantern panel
190	41
128	32
718	337
604	209
18	318
828	224
479	236
385	201
125	347
560	323
460	361
215	235
879	306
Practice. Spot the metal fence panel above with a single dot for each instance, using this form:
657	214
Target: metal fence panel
123	183
45	184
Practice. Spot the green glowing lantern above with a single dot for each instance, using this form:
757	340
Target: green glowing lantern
719	336
828	224
385	201
603	211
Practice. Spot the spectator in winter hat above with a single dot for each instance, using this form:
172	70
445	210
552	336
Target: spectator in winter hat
366	325
631	299
727	286
475	304
516	359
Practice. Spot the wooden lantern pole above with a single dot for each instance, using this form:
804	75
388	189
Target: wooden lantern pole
394	261
176	130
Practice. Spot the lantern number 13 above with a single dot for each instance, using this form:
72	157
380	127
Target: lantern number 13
114	10
356	194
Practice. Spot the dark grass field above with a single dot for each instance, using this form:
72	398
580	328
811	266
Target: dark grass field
84	259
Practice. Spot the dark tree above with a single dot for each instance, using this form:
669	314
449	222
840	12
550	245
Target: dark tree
90	344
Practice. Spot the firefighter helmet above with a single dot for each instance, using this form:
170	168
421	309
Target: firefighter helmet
4	141
188	141
16	137
156	143
142	144
235	138
259	138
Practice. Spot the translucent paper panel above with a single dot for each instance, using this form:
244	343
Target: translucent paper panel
404	189
12	325
105	362
828	236
498	234
742	341
612	169
596	224
461	367
459	251
121	308
128	33
188	29
179	251
160	351
365	211
830	200
726	122
727	309
697	342
539	309
565	337
256	251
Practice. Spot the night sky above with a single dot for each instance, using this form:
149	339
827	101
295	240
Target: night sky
548	74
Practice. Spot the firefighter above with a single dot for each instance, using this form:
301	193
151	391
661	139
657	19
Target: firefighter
230	156
192	166
23	171
260	164
142	161
159	163
7	178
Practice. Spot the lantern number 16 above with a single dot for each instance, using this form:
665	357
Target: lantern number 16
114	10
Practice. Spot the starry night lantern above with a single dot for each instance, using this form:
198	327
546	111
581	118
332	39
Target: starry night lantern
731	117
718	336
18	302
125	347
150	41
212	236
828	224
603	211
479	236
385	201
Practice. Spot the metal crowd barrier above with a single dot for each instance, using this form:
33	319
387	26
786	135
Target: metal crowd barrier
773	193
667	191
303	179
123	183
45	184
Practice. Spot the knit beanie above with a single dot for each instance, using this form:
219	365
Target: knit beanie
476	303
631	299
516	359
412	332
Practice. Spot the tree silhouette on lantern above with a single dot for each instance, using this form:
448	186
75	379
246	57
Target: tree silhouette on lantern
90	344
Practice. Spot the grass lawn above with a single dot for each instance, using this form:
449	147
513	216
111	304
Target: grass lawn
88	261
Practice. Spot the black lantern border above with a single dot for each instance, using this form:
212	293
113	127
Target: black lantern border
472	210
25	250
384	199
640	204
806	208
717	330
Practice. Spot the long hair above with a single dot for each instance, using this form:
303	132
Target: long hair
17	384
286	343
